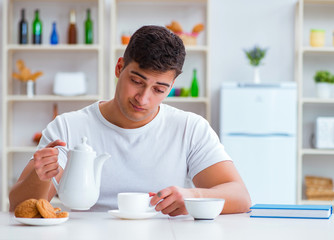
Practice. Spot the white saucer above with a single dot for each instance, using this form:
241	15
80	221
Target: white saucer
125	215
41	221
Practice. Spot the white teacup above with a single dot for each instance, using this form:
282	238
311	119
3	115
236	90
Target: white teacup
133	202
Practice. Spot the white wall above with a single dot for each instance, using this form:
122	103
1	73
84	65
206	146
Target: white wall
240	24
236	25
0	95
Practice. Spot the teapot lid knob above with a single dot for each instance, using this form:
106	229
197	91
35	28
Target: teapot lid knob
84	146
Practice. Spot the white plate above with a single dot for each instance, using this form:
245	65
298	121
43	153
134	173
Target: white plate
124	215
41	221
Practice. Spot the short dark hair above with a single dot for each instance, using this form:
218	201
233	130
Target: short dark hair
155	48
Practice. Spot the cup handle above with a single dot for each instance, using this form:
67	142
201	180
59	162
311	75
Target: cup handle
150	207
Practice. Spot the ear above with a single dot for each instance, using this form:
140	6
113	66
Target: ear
119	67
172	84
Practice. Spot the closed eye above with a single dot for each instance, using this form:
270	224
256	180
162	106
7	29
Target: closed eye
135	82
158	90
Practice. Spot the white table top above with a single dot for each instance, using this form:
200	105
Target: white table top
93	225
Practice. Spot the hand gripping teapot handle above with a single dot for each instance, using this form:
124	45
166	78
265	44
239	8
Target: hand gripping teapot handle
55	183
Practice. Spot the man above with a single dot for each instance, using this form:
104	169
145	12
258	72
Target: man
153	147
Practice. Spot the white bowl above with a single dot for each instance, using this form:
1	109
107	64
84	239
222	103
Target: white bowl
204	208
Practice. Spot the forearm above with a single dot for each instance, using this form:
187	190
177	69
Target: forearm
29	187
237	199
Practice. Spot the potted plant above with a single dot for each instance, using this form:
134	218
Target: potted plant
255	56
324	81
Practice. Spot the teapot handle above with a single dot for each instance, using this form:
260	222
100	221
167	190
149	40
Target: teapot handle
55	183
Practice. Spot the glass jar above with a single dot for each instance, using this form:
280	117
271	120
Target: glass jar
317	38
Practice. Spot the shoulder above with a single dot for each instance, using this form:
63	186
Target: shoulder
174	114
81	114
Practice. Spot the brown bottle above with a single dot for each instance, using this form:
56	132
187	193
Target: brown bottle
72	29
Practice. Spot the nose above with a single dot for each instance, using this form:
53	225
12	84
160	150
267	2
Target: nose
143	97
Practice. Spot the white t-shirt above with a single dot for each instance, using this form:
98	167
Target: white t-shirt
168	151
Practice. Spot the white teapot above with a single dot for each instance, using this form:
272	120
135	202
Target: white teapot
79	187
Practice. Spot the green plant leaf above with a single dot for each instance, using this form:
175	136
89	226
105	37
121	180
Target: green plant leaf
323	77
255	55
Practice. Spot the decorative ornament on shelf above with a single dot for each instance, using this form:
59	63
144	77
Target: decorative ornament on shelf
255	55
26	77
324	81
187	38
54	35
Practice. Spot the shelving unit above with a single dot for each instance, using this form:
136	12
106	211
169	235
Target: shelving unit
23	116
129	15
312	161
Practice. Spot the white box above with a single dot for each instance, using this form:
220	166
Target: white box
70	84
324	131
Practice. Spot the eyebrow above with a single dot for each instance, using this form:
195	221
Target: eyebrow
145	78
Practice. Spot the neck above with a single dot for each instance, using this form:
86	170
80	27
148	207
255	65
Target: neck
111	112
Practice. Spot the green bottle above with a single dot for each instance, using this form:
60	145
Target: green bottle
194	85
88	29
37	29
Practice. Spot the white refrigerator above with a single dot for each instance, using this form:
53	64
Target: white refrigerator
258	129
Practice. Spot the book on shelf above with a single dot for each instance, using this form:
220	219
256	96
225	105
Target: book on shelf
291	211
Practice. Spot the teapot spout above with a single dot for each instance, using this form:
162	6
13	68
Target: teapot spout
99	161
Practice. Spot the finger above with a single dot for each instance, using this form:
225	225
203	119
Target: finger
45	152
40	162
161	195
56	143
165	203
178	212
50	174
151	194
168	208
48	171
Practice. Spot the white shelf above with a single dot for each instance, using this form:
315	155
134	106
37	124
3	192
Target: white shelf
36	1
316	202
58	47
154	11
328	50
29	149
121	48
311	107
88	58
317	101
161	1
44	98
319	2
312	151
187	99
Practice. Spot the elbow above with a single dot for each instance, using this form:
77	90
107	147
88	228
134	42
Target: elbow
247	204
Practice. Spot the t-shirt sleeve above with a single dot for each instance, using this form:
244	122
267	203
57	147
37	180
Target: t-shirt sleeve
54	131
205	148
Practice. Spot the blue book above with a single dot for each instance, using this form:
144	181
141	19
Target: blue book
291	211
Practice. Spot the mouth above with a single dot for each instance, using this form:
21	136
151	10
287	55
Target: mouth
137	108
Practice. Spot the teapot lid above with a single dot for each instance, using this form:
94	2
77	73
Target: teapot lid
84	146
